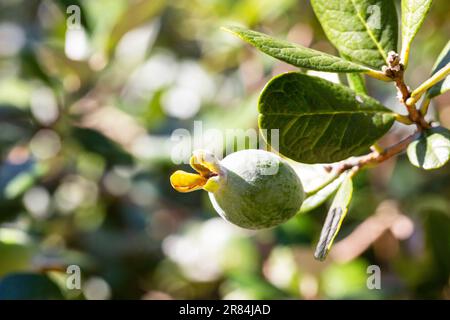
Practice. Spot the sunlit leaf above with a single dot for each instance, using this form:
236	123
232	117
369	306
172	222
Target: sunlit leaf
431	150
362	30
413	15
319	121
295	54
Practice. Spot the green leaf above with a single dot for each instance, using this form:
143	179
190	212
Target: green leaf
319	121
357	82
413	15
29	286
431	150
294	54
137	14
335	216
444	85
313	176
96	142
318	198
362	30
318	184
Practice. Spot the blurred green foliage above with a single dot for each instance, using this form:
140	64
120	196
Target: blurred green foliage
86	117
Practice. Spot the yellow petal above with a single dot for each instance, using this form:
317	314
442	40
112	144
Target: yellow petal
212	184
183	181
205	163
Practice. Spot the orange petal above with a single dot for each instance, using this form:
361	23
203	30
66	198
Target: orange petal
183	181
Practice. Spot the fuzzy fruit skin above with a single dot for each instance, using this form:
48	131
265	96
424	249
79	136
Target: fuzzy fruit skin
252	195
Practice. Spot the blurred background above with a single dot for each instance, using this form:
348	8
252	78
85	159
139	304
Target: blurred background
86	117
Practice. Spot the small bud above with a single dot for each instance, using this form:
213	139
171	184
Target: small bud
387	71
393	59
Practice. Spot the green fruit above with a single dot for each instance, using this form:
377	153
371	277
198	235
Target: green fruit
260	190
253	189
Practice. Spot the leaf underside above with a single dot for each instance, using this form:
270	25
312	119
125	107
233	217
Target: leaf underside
362	30
431	150
357	82
335	216
313	176
319	121
444	85
294	54
318	198
413	15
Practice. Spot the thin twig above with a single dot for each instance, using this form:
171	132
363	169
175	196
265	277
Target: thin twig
396	70
375	157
